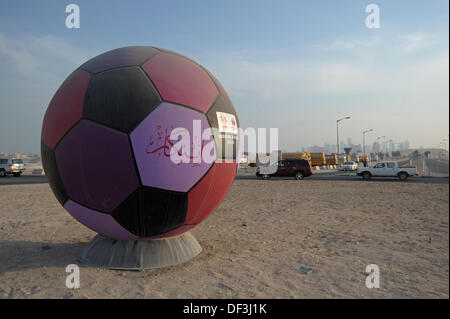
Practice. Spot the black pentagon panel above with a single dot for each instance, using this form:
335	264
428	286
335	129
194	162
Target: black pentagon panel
227	144
122	57
51	171
150	211
120	98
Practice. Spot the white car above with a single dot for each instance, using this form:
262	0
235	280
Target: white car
387	169
349	166
11	166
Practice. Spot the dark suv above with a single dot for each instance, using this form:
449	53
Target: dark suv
297	168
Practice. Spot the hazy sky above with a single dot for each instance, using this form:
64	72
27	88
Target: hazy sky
296	65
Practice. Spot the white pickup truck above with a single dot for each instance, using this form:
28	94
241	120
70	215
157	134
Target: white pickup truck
387	169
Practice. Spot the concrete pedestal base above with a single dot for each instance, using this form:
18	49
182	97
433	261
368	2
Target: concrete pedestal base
140	254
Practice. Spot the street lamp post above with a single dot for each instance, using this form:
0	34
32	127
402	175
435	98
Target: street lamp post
364	141
442	153
444	141
337	132
378	143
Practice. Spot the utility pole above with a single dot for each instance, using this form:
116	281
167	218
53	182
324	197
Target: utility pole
423	164
444	141
337	132
378	143
364	141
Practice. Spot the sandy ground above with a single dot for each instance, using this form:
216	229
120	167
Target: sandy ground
254	244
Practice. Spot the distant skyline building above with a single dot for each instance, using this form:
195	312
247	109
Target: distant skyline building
327	147
407	145
375	147
391	146
349	141
402	146
384	146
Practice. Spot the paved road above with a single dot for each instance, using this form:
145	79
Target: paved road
323	175
24	179
348	176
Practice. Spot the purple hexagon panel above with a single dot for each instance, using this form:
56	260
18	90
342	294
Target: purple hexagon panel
102	223
96	166
152	148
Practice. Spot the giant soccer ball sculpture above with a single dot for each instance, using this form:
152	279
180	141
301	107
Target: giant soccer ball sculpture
108	153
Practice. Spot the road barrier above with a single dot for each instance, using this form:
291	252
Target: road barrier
37	171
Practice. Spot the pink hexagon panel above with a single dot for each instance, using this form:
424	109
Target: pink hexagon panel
181	81
152	146
66	107
101	223
96	166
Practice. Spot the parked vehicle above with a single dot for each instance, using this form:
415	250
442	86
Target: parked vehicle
297	168
11	166
387	169
331	159
349	166
297	155
318	159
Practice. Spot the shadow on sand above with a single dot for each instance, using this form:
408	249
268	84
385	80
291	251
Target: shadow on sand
23	255
16	256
